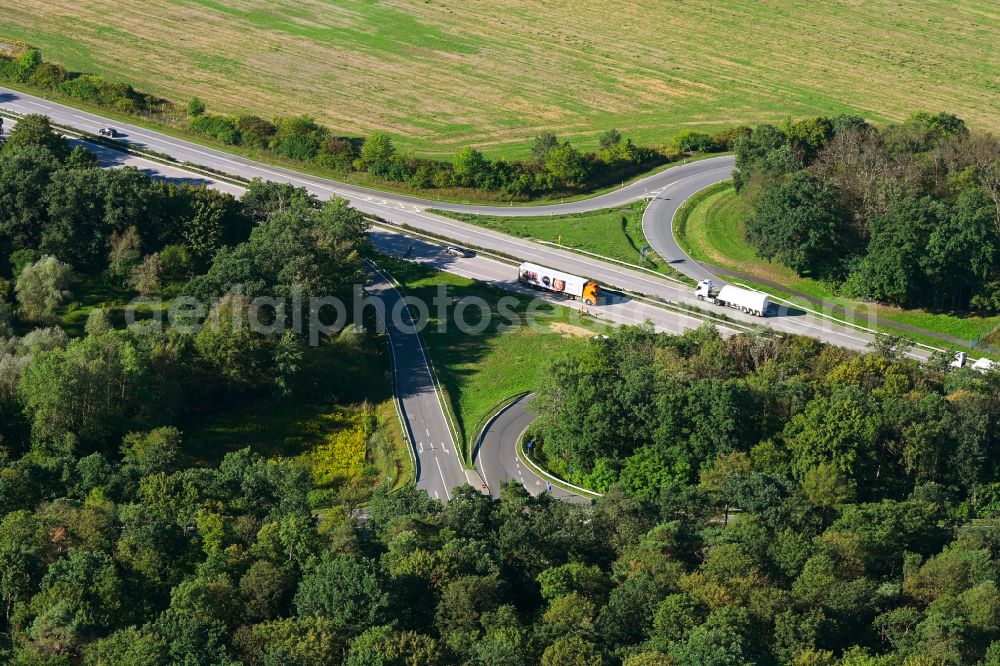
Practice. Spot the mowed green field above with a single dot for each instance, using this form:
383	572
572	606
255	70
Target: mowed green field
441	74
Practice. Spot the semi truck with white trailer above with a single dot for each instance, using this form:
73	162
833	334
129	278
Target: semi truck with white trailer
549	279
747	300
979	365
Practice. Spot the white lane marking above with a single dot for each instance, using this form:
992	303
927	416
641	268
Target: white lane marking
485	480
443	482
445	447
436	496
427	430
427	369
420	445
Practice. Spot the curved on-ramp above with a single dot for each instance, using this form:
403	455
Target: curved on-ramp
498	461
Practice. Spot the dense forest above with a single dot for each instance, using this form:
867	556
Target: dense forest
858	534
554	167
852	485
906	214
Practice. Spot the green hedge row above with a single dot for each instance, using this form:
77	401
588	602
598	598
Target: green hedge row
555	166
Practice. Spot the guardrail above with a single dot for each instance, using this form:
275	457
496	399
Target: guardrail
551	478
487	419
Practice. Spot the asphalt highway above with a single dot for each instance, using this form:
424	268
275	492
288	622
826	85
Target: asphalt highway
614	308
439	464
439	467
667	188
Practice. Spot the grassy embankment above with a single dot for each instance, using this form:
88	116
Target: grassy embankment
478	371
710	228
445	74
615	233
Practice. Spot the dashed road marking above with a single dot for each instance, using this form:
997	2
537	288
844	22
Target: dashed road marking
444	483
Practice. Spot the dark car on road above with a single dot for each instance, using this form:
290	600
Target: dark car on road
109	132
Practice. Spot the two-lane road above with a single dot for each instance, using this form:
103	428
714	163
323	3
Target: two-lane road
188	151
439	466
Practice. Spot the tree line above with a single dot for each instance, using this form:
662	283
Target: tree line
865	460
906	214
554	167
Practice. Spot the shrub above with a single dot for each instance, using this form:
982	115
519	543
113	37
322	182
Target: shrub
376	152
195	107
298	137
609	139
48	75
301	148
218	127
255	131
98	90
690	141
987	300
340	457
724	139
20	68
336	153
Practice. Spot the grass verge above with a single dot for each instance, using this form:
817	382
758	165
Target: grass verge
710	228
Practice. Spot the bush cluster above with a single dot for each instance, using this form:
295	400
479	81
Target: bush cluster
29	68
